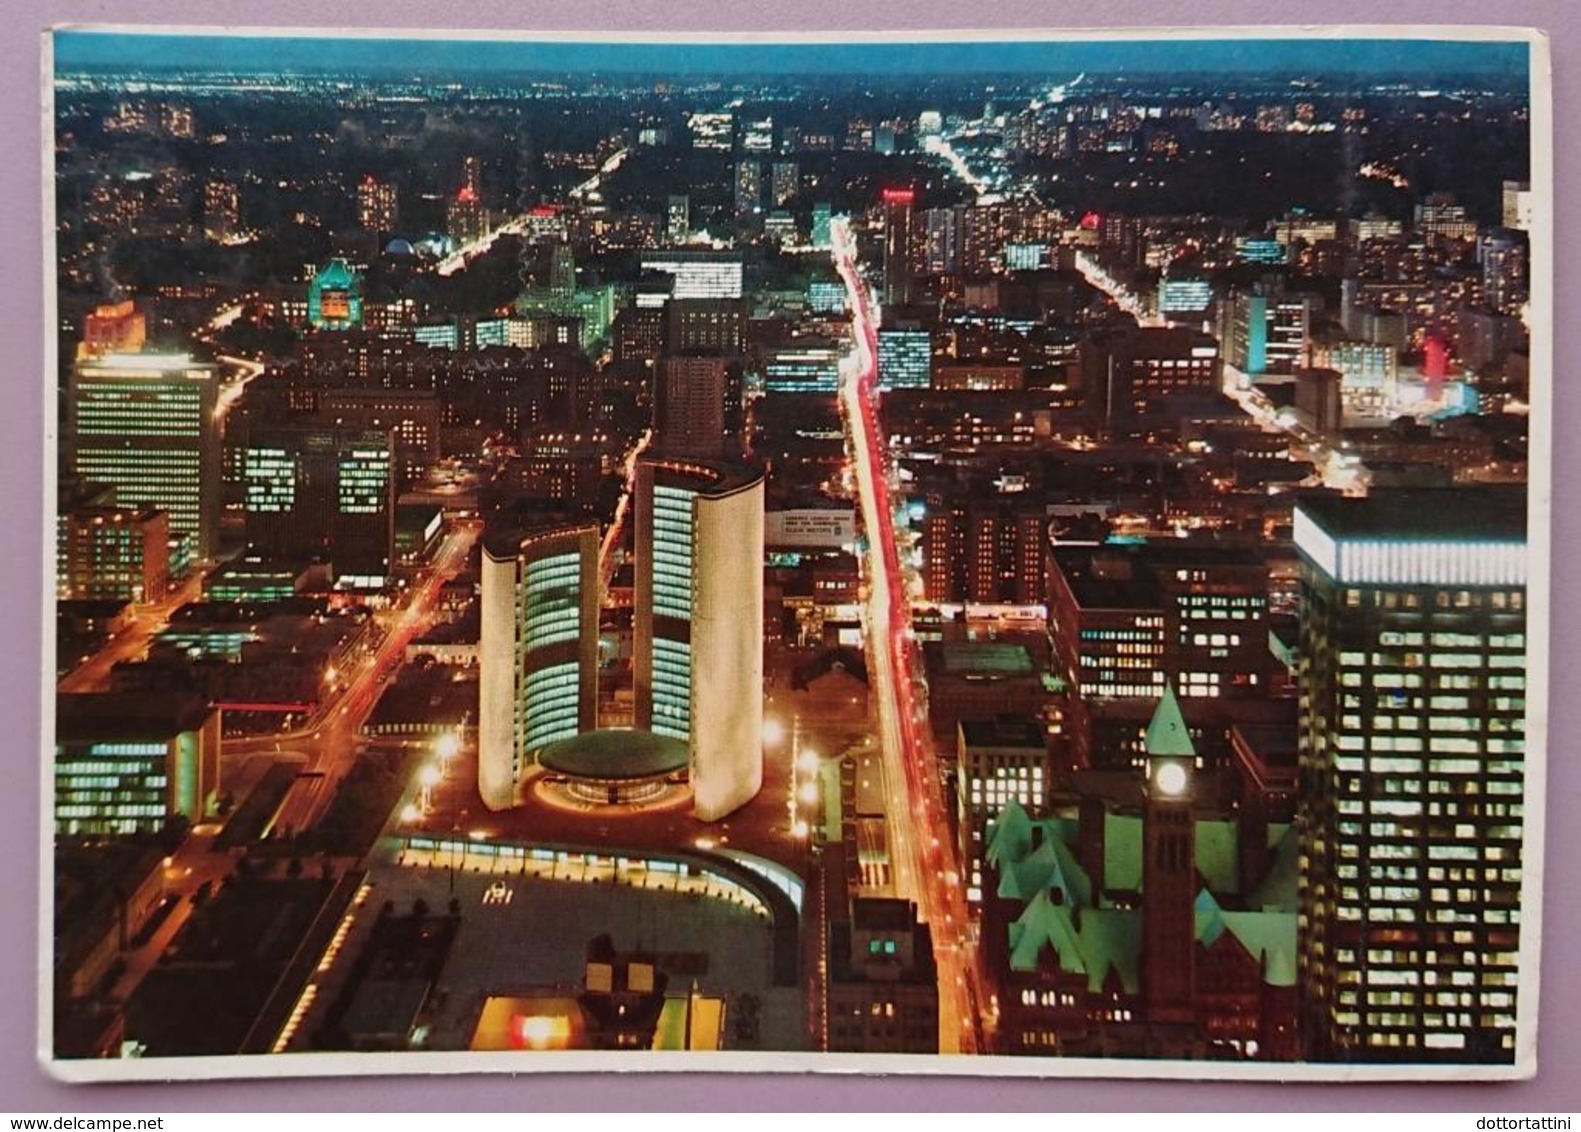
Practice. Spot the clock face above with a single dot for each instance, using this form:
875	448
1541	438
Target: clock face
1170	780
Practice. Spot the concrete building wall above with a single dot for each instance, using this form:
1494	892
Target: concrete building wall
497	683
727	652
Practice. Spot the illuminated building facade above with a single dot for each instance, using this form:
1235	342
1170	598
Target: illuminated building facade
716	326
537	651
905	359
376	205
825	296
1412	749
1267	330
1211	602
677	218
982	551
221	209
412	415
144	424
1184	295
699	274
1515	199
897	245
114	328
883	982
326	494
711	130
998	761
466	220
126	762
1127	620
115	553
689	406
1125	372
805	365
334	297
784	181
698	622
749	186
1503	255
822	216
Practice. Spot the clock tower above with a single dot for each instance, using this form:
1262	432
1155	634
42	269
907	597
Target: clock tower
1169	866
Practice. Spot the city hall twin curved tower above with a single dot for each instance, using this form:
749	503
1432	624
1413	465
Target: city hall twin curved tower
697	635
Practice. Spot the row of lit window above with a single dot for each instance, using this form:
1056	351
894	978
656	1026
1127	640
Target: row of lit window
123	810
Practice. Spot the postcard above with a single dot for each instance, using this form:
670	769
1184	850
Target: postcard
935	553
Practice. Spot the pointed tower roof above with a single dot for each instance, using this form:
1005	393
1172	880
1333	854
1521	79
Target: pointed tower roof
1167	736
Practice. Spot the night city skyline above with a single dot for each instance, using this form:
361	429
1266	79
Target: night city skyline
935	550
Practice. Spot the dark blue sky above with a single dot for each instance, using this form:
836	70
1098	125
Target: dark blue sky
1379	58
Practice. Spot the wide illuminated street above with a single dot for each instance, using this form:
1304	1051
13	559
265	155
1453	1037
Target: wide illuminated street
927	868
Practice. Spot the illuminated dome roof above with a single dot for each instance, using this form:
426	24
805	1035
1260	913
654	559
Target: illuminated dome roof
399	246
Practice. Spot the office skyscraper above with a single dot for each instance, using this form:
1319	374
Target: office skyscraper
677	218
897	245
376	204
144	424
323	493
749	186
1413	707
537	650
689	406
698	625
905	358
784	181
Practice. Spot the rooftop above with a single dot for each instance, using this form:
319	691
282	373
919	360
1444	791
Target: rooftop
982	659
1482	514
88	717
615	754
1130	575
1003	732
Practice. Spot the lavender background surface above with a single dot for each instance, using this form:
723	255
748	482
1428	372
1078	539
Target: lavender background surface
24	1086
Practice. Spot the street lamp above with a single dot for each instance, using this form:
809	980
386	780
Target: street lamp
447	747
429	777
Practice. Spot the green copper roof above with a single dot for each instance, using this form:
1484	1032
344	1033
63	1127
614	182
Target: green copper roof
1043	923
1111	940
1277	892
1270	938
336	273
1218	856
1024	871
1167	736
1122	852
1009	836
1059	912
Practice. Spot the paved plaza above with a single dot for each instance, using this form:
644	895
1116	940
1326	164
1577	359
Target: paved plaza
524	926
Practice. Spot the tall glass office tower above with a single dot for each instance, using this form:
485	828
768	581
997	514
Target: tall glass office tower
145	425
1412	756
